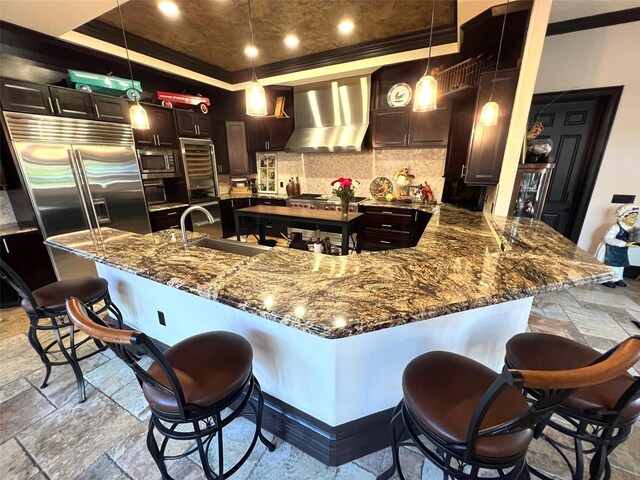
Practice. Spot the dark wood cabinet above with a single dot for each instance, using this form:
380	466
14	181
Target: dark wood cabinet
28	256
486	150
72	103
268	134
110	109
402	127
193	124
236	143
161	132
428	129
385	228
18	96
390	127
459	136
170	218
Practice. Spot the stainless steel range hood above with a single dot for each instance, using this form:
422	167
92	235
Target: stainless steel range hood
331	116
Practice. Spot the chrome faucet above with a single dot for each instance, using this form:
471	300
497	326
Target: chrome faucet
183	219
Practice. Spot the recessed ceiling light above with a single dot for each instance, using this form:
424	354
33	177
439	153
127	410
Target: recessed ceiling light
169	8
251	51
291	41
346	27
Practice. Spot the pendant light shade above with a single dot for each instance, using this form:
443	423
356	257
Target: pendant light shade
490	110
489	114
426	94
256	99
138	116
255	96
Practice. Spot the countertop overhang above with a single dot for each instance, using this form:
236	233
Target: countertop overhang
464	260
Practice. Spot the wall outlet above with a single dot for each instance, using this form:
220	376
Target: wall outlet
620	198
161	319
281	184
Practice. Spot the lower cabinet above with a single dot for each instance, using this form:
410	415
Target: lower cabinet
28	256
385	228
170	218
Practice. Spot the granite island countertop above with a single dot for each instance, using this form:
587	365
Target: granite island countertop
463	260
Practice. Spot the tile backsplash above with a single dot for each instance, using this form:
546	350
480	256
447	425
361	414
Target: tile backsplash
6	212
316	171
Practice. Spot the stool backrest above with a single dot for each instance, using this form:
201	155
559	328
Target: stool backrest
123	342
553	387
16	282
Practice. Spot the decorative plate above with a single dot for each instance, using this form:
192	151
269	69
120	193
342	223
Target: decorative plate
380	187
399	95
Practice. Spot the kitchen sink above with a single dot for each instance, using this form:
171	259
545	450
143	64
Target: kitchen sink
230	246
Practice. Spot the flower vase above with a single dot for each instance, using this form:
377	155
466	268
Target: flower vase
345	209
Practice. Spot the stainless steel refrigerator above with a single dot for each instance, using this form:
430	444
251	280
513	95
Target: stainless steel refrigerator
79	175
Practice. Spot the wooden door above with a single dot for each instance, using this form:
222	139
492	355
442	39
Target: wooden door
257	135
280	131
390	128
72	103
26	97
110	109
571	127
488	143
27	255
430	129
163	127
237	148
186	124
203	125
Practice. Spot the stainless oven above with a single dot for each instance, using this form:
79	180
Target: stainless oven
157	163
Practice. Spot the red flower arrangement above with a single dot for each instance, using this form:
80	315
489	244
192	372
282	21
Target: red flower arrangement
344	188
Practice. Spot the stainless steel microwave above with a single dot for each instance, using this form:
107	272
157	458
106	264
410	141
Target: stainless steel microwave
157	163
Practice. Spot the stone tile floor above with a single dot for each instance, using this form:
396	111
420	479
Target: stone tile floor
46	434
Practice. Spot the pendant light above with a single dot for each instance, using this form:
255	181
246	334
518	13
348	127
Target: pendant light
426	93
491	110
255	97
137	114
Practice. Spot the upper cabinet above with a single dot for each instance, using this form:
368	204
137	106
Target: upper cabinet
265	134
19	96
402	127
110	109
26	97
486	150
72	103
161	132
193	124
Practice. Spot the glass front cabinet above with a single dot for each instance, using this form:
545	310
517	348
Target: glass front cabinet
530	190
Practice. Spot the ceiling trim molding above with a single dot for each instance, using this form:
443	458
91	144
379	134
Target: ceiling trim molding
376	48
595	21
110	34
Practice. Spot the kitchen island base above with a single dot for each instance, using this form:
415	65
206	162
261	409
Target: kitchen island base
331	398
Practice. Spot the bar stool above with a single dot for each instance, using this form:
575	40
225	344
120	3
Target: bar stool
195	389
601	415
474	418
46	310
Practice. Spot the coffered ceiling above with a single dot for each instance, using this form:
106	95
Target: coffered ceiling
217	31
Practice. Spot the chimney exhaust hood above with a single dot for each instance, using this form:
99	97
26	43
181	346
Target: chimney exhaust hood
331	116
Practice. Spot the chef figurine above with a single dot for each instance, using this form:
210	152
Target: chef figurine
614	249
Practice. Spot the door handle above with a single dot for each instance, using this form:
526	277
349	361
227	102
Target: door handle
462	172
6	247
51	105
386	225
58	106
95	105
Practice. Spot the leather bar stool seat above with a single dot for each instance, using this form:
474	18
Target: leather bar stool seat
210	367
540	351
54	295
442	390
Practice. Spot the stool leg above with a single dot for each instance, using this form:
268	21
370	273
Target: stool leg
113	308
71	358
37	346
270	446
152	446
395	447
204	458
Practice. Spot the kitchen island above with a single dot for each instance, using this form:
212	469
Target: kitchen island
331	335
